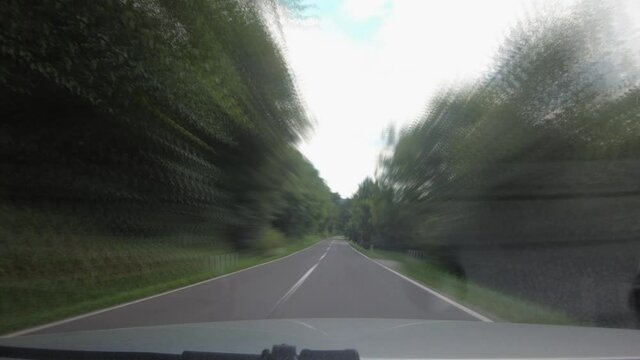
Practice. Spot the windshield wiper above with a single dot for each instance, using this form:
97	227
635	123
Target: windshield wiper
278	352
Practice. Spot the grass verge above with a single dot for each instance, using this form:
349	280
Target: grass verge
492	303
66	284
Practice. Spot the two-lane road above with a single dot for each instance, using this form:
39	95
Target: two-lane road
328	279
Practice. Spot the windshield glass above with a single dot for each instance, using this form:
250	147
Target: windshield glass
178	162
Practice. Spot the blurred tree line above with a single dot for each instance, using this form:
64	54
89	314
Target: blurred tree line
564	89
153	118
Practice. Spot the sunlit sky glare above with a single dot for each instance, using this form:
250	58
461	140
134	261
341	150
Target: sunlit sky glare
362	65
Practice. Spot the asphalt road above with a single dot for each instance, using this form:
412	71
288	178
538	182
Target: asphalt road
328	279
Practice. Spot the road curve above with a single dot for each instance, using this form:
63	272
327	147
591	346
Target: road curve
328	279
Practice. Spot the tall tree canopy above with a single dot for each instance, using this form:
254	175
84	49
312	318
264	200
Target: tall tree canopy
153	117
558	116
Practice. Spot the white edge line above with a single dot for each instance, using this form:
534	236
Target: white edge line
78	317
429	290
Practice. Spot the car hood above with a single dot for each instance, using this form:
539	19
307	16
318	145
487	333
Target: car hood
372	338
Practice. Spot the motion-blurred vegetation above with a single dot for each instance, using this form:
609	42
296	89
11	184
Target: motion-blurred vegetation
564	89
134	132
539	153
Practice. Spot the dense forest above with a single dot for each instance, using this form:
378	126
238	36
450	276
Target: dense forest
525	179
563	89
142	140
138	138
155	118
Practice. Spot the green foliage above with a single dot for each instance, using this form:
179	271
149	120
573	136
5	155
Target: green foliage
134	132
269	240
563	90
306	204
152	118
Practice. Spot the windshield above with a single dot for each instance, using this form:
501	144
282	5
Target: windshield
179	162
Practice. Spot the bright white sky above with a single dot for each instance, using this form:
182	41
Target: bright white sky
362	65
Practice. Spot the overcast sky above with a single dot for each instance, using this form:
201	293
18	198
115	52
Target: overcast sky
362	65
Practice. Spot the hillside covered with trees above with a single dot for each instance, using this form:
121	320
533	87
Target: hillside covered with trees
136	131
563	90
526	178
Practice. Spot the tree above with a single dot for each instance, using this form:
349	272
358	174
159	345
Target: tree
153	118
563	90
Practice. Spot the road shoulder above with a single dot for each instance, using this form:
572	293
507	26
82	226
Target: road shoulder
489	303
186	284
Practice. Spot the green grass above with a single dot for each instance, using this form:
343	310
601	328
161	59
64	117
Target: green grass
494	304
45	281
